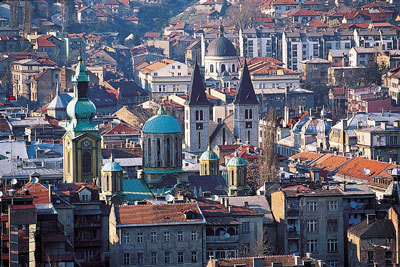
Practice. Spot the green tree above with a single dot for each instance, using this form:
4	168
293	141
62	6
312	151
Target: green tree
224	9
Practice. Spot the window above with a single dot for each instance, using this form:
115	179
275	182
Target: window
312	245
333	263
211	68
180	257
153	257
166	236
167	257
332	226
312	225
312	206
140	237
127	259
393	140
194	256
180	236
125	237
333	205
246	227
86	162
194	235
153	237
370	257
332	245
140	259
388	257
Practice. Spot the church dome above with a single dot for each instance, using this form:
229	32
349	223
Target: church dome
209	155
162	123
236	161
81	109
112	166
221	47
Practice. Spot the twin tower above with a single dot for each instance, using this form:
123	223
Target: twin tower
198	110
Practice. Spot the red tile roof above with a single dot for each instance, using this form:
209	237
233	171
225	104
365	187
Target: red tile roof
285	2
132	18
305	12
215	209
39	192
152	34
43	42
317	24
122	129
165	213
354	168
306	156
329	162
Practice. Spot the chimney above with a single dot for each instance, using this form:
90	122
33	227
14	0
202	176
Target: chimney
229	209
343	186
383	125
226	202
50	192
370	218
246	204
396	124
286	116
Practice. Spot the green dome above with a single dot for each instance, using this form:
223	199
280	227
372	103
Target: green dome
209	155
81	109
112	166
162	123
80	72
236	161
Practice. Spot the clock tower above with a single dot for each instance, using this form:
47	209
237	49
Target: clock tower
82	143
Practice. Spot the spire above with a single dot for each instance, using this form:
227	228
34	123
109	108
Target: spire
80	72
245	94
221	29
58	89
197	95
161	111
112	158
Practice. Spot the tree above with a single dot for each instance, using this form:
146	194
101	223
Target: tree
261	247
244	16
269	160
224	8
373	74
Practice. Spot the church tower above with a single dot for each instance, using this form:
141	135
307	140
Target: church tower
197	115
237	176
209	163
82	144
246	108
111	178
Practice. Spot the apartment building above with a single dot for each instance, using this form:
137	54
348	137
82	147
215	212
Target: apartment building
159	234
310	220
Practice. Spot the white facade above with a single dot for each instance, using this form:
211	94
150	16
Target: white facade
197	119
246	124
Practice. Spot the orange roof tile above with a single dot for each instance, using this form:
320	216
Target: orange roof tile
305	156
317	24
354	168
329	162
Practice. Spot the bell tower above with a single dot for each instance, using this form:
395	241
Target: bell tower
81	142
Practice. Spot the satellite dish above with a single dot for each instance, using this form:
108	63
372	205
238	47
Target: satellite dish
227	235
169	198
14	181
35	180
366	171
214	197
353	204
1	194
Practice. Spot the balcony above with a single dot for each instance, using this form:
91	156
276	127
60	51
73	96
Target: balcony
222	239
293	234
87	224
292	213
88	243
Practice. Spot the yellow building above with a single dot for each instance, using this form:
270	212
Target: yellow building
237	176
82	144
209	163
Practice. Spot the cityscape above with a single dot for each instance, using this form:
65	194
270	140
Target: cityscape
205	133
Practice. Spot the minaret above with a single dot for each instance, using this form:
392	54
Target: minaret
82	144
246	111
197	115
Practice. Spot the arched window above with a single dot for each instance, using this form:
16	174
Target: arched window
199	140
68	162
197	115
176	152
232	177
108	183
246	114
248	136
201	115
211	68
149	151
158	152
87	162
233	68
223	136
168	152
250	114
223	68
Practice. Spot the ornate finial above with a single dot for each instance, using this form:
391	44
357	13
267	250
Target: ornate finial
161	111
235	154
58	89
80	72
208	148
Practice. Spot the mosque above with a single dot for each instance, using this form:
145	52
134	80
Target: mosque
162	141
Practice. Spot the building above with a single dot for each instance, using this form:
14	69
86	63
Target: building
159	234
372	242
165	77
246	111
315	70
119	135
197	115
82	144
310	220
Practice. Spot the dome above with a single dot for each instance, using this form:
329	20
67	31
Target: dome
209	155
236	161
221	47
162	123
112	166
81	109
